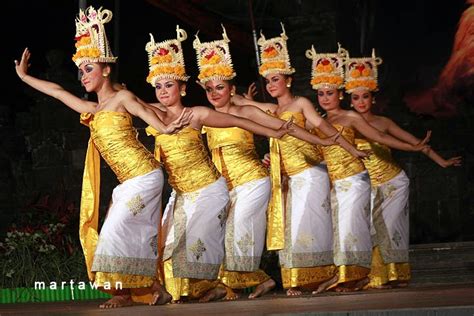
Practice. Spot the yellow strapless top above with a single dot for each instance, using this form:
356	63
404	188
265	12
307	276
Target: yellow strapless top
234	155
341	164
379	163
185	158
115	138
296	154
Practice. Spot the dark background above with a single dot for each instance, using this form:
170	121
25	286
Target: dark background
43	145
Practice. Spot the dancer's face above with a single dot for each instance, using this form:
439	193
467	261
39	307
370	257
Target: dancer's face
328	98
361	100
276	84
93	75
218	92
167	91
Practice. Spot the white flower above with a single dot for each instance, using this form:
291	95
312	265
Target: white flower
10	273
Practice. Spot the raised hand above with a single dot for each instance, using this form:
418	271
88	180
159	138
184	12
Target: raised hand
21	66
251	91
422	145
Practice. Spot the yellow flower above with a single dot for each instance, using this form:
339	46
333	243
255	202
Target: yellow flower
159	59
270	54
355	73
272	65
86	52
366	72
85	40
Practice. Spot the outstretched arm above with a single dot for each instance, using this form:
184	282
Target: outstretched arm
262	118
396	131
374	134
316	120
213	118
241	101
50	88
136	107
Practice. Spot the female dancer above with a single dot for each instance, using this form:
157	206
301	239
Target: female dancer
234	155
350	199
389	198
195	217
125	252
300	224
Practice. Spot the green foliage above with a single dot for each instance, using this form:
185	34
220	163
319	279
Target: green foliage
42	245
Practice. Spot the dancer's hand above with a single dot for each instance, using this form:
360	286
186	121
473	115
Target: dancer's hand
251	91
423	145
452	162
266	160
183	120
285	128
21	66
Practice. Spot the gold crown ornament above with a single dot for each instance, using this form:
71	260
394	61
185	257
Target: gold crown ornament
165	59
91	40
214	59
327	70
361	73
274	55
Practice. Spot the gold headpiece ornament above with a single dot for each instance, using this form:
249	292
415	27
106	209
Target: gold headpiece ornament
91	40
214	59
274	55
327	70
361	73
165	59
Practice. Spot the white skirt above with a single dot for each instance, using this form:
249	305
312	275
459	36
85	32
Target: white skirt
246	225
193	229
128	240
390	218
350	202
308	223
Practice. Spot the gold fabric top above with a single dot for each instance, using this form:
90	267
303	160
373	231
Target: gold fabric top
234	155
185	158
296	154
115	138
379	163
341	164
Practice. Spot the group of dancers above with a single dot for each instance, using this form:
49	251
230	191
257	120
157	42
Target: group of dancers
332	202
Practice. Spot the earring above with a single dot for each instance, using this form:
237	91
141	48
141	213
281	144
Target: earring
183	93
352	105
232	94
373	101
105	75
288	85
341	97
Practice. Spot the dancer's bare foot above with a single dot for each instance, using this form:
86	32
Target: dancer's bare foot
353	286
230	295
118	301
262	289
323	287
160	295
293	292
216	293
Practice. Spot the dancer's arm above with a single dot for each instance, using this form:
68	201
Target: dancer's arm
359	123
135	107
257	115
213	118
317	121
396	131
50	88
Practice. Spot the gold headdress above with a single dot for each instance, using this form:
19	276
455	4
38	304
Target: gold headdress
165	59
214	59
274	55
327	70
361	73
91	40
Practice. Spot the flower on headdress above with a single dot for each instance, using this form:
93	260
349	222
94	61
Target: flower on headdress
82	41
221	71
161	59
269	52
368	84
272	65
335	80
211	59
86	52
171	71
